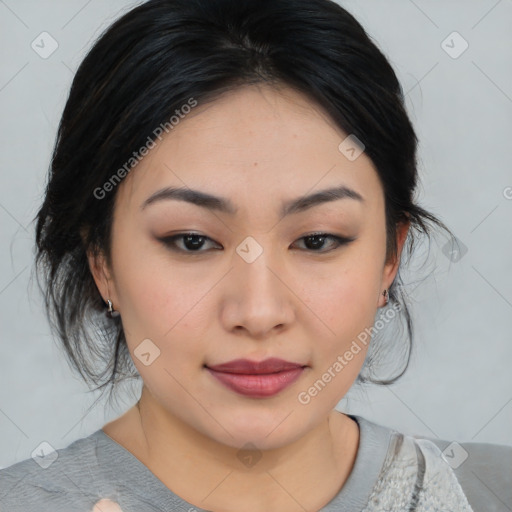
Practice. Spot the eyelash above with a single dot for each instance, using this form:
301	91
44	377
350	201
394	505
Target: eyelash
170	241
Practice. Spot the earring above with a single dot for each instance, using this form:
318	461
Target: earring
386	296
111	312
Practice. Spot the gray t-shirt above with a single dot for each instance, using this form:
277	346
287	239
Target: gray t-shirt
392	472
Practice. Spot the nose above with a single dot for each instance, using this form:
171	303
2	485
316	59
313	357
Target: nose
258	299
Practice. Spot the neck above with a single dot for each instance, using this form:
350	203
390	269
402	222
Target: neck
303	475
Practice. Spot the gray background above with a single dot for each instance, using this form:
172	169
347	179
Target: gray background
459	385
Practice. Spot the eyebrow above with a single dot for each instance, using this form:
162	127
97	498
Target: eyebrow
223	205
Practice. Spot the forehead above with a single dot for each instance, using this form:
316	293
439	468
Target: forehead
252	144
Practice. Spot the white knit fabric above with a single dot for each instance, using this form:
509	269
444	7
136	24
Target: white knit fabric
416	477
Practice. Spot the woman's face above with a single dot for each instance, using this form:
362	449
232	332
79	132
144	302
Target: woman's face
252	285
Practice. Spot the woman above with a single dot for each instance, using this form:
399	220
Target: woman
230	195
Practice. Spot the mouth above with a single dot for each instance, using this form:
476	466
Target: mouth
257	379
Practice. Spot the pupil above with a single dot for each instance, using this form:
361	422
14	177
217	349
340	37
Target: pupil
319	238
191	241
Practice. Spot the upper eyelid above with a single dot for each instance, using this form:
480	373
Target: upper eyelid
340	239
312	233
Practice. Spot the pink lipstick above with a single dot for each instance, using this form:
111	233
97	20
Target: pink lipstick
257	379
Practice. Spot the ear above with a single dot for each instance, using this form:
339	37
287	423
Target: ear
101	273
391	267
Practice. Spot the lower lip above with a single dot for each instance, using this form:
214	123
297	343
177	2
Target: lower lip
258	386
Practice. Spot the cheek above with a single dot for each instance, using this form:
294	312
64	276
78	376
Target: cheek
349	315
346	310
165	303
347	297
150	290
144	298
346	305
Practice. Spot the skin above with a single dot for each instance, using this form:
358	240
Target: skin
257	146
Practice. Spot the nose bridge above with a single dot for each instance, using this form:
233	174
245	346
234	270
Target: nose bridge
256	265
261	298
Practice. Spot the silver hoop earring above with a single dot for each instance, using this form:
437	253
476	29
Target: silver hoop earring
111	312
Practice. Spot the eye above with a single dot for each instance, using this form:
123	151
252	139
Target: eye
194	242
315	241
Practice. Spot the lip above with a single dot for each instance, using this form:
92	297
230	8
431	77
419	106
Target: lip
257	379
246	366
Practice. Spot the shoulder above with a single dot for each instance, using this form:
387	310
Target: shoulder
437	473
415	476
484	471
54	480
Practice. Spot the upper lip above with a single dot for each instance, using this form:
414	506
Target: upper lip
245	366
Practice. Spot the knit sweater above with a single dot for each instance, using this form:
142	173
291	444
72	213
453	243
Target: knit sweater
393	472
415	476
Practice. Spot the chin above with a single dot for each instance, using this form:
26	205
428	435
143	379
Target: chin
266	428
